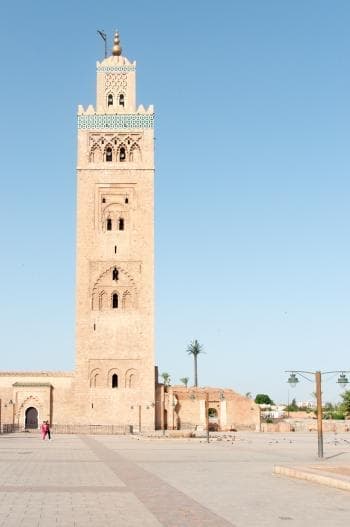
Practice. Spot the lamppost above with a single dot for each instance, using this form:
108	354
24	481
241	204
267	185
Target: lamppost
293	381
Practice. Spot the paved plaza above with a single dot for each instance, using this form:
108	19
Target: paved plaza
130	481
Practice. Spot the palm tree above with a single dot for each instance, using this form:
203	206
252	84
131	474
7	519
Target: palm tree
185	380
166	378
195	349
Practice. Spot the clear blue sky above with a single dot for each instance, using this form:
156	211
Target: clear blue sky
252	182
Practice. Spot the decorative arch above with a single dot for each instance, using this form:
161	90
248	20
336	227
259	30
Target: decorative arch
110	99
105	287
131	378
135	153
102	300
121	99
95	378
30	402
108	153
127	300
95	154
122	153
123	274
110	214
31	418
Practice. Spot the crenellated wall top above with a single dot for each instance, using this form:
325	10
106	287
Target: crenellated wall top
115	63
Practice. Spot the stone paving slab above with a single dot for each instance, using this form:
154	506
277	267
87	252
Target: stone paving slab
171	507
128	481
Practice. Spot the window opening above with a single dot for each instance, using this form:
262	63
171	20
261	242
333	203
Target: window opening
121	224
114	380
121	100
109	224
115	301
115	274
94	327
110	100
126	200
122	154
108	154
115	249
103	200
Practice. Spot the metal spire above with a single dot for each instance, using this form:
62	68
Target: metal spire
117	49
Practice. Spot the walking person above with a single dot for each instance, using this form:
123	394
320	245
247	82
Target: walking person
48	431
43	430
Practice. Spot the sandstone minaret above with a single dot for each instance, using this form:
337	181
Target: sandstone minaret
115	251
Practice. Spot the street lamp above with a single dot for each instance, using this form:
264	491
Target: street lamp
293	381
342	380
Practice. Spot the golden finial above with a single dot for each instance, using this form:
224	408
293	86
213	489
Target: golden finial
117	49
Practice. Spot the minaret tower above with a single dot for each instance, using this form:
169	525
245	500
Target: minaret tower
115	250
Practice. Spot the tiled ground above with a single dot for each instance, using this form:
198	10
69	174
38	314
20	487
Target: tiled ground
124	481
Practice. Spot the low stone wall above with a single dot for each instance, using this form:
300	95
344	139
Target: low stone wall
307	425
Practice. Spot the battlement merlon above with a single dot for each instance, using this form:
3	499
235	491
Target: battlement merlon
90	110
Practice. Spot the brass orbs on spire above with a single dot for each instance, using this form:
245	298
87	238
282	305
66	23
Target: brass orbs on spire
117	49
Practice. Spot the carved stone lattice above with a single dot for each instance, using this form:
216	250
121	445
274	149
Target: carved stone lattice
116	82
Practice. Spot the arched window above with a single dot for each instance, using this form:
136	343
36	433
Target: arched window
121	100
115	301
115	274
109	224
110	100
114	380
109	155
121	224
122	154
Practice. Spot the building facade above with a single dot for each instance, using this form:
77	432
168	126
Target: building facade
114	382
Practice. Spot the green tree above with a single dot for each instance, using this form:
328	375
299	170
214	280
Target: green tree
166	378
195	349
345	405
263	398
185	380
292	407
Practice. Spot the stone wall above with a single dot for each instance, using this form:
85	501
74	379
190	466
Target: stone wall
186	409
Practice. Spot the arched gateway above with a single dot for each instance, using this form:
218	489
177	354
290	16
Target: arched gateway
31	421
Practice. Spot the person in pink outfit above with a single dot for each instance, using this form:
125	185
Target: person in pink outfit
43	430
47	429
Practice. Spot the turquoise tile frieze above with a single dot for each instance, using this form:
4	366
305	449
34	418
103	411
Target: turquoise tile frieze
119	69
115	121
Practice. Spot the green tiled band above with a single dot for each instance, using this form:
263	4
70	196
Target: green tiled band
116	121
